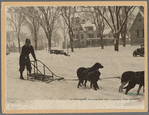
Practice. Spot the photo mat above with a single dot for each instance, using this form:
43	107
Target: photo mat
63	95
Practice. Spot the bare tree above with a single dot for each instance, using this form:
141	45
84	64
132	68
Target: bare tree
99	22
15	19
114	16
64	30
56	38
124	28
55	33
68	13
32	23
46	16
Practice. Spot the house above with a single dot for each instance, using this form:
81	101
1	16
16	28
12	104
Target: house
137	29
87	35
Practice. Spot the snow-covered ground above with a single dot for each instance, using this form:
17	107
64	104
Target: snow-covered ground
115	63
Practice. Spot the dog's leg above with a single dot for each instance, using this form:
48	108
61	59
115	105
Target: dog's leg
143	89
122	85
139	89
97	85
94	85
82	82
79	83
85	82
91	84
130	86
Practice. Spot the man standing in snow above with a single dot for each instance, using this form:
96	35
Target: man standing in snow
24	57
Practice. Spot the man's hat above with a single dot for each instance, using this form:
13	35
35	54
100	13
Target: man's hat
27	40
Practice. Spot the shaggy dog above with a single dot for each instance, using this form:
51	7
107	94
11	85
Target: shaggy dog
83	72
93	77
133	78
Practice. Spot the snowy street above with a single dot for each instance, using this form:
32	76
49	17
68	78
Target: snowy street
115	63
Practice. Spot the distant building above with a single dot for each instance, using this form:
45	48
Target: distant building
12	41
87	35
137	29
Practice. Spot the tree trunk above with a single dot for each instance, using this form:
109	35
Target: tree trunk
123	33
18	36
124	29
71	42
116	41
48	35
49	44
102	44
65	42
116	45
124	41
35	37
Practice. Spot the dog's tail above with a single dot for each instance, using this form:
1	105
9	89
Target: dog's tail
126	87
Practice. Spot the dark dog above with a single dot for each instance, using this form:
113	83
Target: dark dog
83	72
133	78
81	75
93	77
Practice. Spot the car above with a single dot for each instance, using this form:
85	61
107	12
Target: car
139	51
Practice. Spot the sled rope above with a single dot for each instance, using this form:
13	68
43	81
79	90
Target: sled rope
60	77
111	77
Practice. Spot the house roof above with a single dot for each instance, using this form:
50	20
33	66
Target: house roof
88	24
141	13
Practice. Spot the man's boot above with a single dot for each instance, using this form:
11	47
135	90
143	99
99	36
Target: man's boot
29	72
21	75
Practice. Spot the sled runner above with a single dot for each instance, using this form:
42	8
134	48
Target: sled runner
39	74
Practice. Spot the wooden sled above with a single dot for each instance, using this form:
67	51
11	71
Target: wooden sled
41	75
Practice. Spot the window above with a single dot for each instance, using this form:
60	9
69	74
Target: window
90	28
77	29
82	36
73	36
82	42
137	33
140	20
90	35
77	36
98	35
77	21
93	42
88	43
98	42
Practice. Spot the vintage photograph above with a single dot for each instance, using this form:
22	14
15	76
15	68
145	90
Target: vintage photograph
80	57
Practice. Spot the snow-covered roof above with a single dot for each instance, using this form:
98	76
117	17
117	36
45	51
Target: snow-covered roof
106	31
76	15
88	24
140	12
